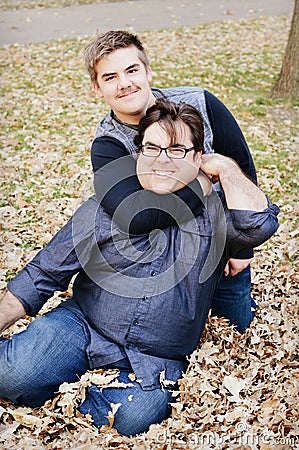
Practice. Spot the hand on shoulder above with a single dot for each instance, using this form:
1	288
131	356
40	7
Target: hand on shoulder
215	164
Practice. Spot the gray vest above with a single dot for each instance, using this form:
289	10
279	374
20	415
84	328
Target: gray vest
125	133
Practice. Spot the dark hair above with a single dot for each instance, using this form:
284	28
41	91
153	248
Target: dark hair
168	114
108	42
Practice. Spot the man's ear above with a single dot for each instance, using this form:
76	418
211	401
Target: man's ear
197	158
97	90
149	74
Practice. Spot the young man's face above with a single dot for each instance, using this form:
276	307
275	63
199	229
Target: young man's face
123	81
162	174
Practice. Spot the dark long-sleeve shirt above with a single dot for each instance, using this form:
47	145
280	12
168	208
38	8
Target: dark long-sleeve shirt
146	297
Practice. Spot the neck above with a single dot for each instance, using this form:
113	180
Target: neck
134	119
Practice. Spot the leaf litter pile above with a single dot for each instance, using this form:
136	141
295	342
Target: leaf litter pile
240	391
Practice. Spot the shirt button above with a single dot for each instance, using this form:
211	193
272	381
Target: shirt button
135	322
144	298
153	273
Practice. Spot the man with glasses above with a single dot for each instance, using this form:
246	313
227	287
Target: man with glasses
120	74
140	302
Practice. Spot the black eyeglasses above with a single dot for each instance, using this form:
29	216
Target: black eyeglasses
174	151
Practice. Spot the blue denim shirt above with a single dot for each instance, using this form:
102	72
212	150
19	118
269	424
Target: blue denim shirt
144	297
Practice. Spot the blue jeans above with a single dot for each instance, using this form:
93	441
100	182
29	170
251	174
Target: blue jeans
53	350
233	300
138	409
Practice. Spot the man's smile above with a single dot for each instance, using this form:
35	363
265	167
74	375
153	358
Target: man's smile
127	93
163	173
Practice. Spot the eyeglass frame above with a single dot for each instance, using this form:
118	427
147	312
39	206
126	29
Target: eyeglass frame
165	149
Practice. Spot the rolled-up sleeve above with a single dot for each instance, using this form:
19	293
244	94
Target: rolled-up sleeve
247	229
54	266
41	277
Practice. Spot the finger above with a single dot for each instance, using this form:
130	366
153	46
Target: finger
233	272
226	270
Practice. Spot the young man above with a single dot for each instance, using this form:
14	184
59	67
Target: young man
120	74
140	302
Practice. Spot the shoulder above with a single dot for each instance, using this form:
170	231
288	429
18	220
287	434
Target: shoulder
110	127
105	149
98	224
192	95
180	90
106	141
106	126
180	93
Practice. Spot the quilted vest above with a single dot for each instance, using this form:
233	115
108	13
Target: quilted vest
125	133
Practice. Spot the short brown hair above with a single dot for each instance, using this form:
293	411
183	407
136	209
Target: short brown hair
108	42
167	114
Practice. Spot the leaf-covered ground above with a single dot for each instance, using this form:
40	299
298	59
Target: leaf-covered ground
239	391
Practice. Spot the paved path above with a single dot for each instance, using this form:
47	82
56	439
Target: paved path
44	24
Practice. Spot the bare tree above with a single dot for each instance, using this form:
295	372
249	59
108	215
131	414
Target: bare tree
287	84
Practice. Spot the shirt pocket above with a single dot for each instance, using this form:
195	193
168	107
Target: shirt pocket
194	243
122	252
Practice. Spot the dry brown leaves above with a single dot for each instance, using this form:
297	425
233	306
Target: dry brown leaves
239	391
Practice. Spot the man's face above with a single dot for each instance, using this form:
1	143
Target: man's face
123	81
162	174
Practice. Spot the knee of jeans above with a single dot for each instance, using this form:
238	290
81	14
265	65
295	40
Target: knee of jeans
134	418
12	382
135	411
14	377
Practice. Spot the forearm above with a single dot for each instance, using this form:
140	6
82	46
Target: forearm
11	309
239	191
145	211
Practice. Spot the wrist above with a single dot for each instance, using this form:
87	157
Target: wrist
11	309
228	170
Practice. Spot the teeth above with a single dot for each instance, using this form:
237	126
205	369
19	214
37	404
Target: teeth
160	172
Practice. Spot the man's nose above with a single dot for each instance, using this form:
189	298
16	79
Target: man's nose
124	81
163	157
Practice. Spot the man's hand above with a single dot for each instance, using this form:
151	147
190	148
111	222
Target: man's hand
11	309
234	266
214	164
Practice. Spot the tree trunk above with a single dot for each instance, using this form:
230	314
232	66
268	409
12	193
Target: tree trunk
287	84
